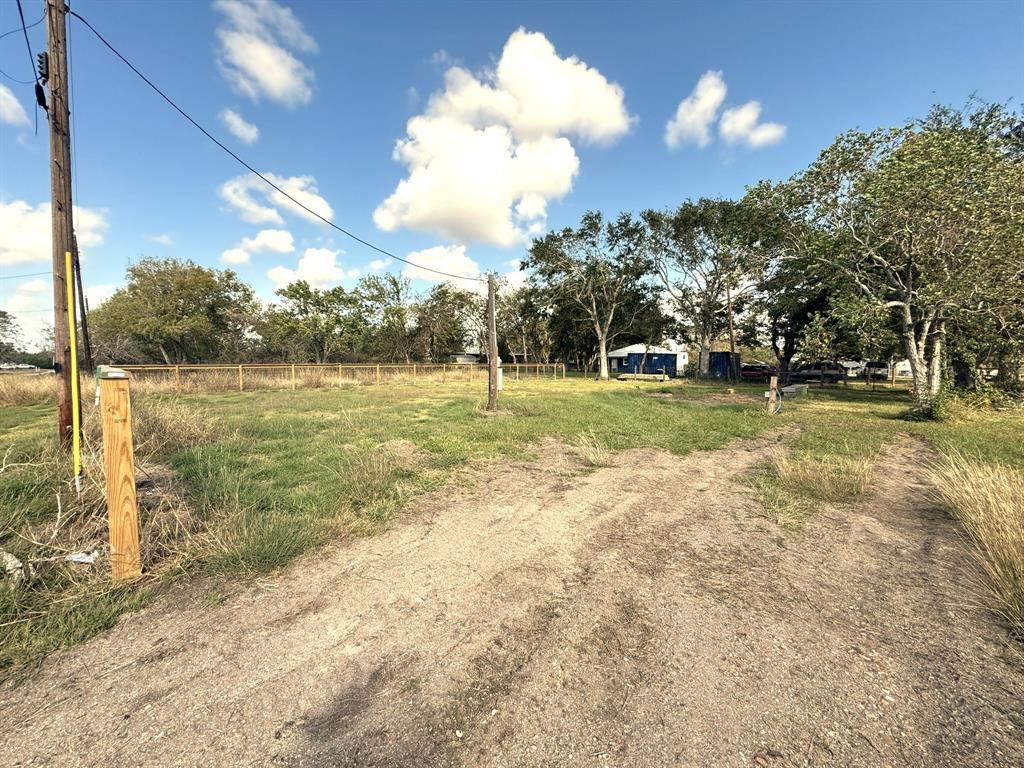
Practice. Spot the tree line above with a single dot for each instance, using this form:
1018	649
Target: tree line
904	242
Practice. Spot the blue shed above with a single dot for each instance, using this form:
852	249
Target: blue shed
640	358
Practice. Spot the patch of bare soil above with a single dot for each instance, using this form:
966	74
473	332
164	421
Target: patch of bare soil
634	615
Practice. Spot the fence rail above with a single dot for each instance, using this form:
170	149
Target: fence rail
250	376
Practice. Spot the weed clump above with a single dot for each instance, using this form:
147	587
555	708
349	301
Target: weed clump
988	500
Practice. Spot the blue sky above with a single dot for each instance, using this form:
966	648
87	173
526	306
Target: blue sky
492	159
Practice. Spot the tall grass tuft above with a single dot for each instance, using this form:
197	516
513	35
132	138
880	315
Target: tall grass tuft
988	499
26	389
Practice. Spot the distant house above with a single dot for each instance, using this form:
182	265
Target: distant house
464	357
641	358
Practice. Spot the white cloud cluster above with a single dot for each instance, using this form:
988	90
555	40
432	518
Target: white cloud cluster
265	241
11	111
318	266
162	239
696	112
445	258
258	203
258	42
25	231
491	149
243	130
738	125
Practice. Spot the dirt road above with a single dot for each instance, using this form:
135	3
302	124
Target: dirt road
636	615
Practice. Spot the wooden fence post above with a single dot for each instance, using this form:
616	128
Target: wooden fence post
241	387
293	375
378	373
177	379
773	393
414	373
119	461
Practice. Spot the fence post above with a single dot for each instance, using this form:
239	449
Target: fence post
119	463
378	373
773	393
517	371
444	370
241	387
414	373
177	379
293	375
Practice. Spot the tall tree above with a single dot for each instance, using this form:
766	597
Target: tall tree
703	253
8	333
317	323
601	269
388	301
448	321
176	311
928	221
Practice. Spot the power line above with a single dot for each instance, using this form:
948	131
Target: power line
29	274
252	170
16	80
18	29
28	45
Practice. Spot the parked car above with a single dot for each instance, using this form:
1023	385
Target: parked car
756	372
824	372
875	369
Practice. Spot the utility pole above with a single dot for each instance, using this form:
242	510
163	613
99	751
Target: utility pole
83	307
732	335
60	199
492	347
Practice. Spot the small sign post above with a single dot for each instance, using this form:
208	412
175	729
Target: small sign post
119	461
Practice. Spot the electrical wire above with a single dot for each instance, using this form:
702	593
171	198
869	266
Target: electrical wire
18	29
16	80
29	274
28	45
252	170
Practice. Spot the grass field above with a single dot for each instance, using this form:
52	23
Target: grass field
259	478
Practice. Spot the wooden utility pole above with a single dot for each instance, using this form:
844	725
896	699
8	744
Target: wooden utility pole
60	200
732	336
83	307
492	347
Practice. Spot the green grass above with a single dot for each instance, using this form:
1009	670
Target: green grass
278	473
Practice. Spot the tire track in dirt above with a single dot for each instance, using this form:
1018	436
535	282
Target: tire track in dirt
543	615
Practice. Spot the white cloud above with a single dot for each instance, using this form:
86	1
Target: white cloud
739	125
445	258
242	194
318	266
354	272
97	294
491	149
265	241
25	233
697	112
162	239
258	40
11	111
378	264
235	256
243	130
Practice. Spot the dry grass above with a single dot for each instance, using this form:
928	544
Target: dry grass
591	450
54	602
988	499
26	389
791	486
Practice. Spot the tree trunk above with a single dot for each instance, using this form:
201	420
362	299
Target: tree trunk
163	352
704	355
602	351
935	362
918	368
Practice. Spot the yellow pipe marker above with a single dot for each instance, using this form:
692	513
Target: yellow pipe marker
76	426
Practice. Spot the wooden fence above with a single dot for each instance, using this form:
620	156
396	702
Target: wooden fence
251	376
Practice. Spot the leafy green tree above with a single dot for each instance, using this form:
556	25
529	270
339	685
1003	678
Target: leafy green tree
448	320
704	253
524	324
176	311
321	324
927	224
601	270
391	334
9	331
